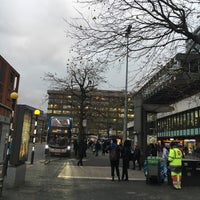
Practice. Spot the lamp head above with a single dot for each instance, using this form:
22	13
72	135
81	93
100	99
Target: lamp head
14	95
37	112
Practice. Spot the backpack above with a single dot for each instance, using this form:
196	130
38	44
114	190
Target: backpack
113	154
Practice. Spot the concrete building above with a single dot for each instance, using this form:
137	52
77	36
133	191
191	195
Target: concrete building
104	110
177	80
182	124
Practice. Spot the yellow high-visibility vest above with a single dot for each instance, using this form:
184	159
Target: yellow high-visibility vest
175	157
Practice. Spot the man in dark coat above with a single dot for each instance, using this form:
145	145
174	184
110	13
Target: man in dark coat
81	152
114	160
125	154
137	154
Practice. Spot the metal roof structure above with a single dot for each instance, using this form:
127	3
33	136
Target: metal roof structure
178	79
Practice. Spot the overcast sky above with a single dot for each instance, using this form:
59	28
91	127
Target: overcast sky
33	41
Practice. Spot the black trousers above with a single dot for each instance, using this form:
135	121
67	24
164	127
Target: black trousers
125	166
114	166
80	160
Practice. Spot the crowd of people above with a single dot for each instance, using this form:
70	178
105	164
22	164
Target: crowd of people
171	157
126	152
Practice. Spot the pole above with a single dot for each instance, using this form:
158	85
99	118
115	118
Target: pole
36	112
128	30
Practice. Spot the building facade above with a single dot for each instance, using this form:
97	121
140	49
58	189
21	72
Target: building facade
9	82
183	124
104	110
177	80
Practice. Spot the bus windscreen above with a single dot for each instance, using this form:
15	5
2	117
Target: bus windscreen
60	122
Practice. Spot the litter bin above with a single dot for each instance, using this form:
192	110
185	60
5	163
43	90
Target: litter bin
154	169
190	172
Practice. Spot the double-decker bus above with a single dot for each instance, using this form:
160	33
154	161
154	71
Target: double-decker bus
59	136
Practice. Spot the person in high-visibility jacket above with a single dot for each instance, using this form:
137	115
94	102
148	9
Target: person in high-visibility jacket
175	164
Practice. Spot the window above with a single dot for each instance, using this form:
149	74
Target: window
196	118
181	121
188	119
178	121
55	106
57	112
192	118
50	106
50	111
174	123
67	106
184	120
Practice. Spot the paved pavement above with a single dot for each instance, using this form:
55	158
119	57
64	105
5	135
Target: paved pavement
60	178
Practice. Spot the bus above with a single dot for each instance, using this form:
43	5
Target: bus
59	136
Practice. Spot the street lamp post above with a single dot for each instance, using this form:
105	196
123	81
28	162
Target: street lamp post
128	31
36	113
13	96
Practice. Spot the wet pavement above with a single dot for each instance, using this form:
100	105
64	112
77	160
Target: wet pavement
60	178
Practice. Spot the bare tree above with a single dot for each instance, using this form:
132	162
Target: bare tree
159	28
83	76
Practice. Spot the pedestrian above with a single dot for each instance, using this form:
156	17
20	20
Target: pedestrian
125	154
136	157
175	165
81	152
75	147
165	153
97	147
114	155
103	147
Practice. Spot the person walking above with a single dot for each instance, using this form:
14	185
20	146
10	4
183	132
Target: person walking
137	154
103	148
114	155
97	147
125	154
175	165
165	153
75	147
81	152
